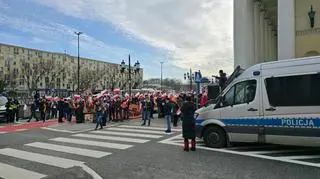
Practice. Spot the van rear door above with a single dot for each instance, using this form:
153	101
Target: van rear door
291	106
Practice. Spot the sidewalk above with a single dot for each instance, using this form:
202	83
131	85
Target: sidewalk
72	127
24	125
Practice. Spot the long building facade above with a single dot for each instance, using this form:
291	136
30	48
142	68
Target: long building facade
25	69
269	30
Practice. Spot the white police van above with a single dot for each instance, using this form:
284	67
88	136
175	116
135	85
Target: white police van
274	102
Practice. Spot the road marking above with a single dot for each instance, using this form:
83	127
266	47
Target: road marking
92	143
251	147
273	151
90	172
71	150
136	130
124	139
300	157
248	154
40	158
147	127
8	171
3	132
19	130
128	134
57	130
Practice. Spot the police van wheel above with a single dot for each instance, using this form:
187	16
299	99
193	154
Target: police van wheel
214	137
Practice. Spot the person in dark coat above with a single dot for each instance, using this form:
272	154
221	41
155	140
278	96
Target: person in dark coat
188	124
61	105
43	109
78	110
167	110
33	111
99	115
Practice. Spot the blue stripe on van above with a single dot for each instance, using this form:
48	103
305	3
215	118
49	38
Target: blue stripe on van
277	122
281	122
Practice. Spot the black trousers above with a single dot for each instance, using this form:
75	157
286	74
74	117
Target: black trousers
119	114
110	113
43	116
175	120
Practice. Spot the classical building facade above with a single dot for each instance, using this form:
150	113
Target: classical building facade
29	69
269	30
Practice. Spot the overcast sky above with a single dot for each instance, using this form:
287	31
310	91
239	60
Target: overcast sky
185	34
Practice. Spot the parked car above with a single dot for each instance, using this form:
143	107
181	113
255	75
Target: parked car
3	102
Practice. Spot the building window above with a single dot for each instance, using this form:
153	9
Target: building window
15	51
300	90
47	80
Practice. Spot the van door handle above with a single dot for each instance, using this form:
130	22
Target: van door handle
271	109
252	109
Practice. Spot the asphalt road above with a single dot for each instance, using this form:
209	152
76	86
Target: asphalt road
130	151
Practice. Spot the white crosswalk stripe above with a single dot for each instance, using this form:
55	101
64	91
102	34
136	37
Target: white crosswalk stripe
136	130
149	128
123	139
71	150
11	172
92	143
128	134
40	158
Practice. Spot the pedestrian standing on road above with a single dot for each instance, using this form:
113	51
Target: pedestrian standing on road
152	106
175	117
146	109
43	108
118	110
54	109
77	111
33	109
105	112
188	124
167	110
60	108
99	115
16	110
9	110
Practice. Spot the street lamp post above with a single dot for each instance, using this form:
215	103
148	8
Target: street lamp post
136	69
78	34
189	76
161	75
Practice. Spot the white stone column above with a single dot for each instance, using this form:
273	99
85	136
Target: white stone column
243	33
266	41
262	40
276	46
256	22
286	29
273	57
270	46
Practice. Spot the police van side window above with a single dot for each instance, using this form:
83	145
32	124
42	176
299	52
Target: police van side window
243	92
299	90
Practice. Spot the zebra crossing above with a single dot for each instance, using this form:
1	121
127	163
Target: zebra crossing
308	156
74	150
